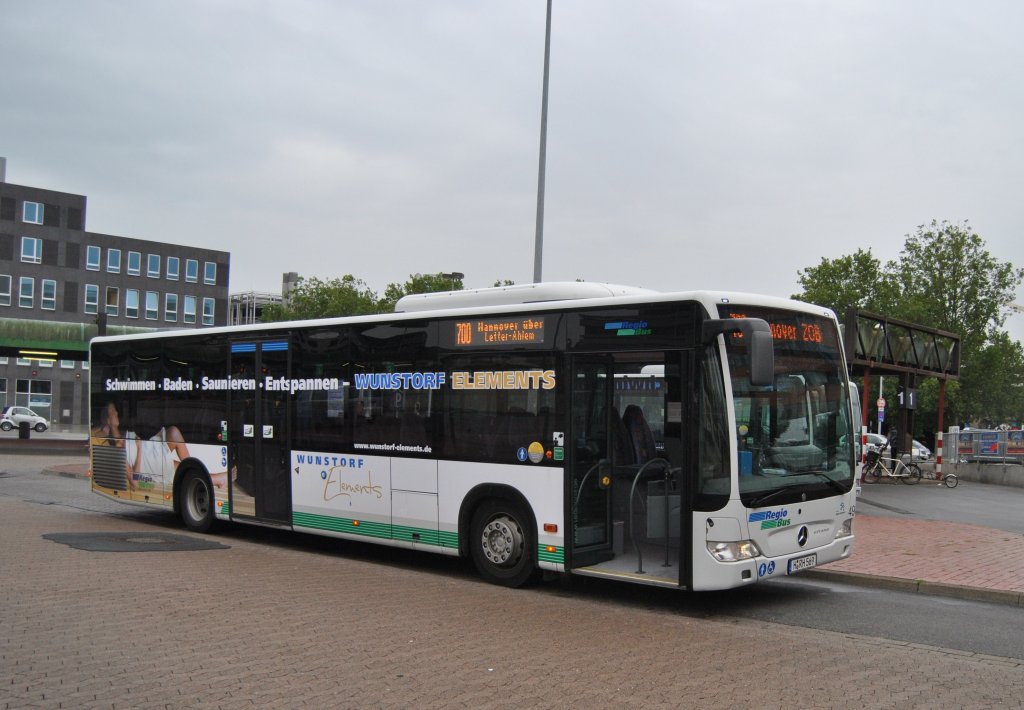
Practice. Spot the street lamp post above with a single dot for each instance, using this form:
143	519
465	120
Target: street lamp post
538	248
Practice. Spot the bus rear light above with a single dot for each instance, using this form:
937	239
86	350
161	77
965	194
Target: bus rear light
551	527
550	549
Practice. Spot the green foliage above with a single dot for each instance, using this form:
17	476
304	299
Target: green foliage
856	280
417	283
317	298
993	384
348	296
949	281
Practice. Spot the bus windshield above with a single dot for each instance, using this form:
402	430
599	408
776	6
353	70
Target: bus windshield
794	438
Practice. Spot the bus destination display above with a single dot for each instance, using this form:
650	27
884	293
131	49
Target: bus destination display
516	330
793	328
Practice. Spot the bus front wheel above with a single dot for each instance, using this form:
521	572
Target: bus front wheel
196	502
501	543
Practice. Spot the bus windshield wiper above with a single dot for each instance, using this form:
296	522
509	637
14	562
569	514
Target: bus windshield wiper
832	483
761	500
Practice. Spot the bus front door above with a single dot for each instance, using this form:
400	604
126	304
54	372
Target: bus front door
257	432
628	467
591	461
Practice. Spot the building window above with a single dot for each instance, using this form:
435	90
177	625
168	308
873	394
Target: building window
189	316
152	305
67	364
192	271
34	394
32	213
26	291
171	307
134	263
92	298
114	261
92	258
153	266
131	303
48	302
5	290
32	250
113	301
208	311
173	266
210	274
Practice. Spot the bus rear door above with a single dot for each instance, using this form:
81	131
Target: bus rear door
258	432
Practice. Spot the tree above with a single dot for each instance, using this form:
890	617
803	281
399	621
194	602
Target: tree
993	384
854	280
418	283
316	298
949	281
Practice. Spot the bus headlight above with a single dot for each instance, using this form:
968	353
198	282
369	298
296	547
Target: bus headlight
846	529
733	551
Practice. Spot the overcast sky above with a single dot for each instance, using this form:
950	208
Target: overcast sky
713	144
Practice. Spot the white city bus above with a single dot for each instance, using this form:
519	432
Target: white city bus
691	440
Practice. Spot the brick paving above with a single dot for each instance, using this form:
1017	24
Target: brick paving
286	626
955	559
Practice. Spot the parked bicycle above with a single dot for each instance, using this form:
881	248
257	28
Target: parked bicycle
877	467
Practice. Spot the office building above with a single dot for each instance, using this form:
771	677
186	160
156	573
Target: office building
60	285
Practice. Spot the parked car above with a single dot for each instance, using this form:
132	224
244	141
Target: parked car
919	452
12	418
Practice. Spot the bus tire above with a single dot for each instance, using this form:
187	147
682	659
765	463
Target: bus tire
197	502
501	544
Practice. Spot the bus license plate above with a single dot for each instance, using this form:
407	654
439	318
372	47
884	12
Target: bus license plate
801	563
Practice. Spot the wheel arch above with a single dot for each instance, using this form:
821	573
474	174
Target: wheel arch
488	491
187	466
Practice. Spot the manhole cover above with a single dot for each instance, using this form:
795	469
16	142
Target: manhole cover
133	542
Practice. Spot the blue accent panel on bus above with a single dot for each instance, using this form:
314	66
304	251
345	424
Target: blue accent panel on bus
275	346
243	347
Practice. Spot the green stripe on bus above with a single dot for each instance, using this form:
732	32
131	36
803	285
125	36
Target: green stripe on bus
422	536
448	539
557	554
345	525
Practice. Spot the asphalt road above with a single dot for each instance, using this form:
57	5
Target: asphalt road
998	507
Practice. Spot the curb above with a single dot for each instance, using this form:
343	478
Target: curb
920	586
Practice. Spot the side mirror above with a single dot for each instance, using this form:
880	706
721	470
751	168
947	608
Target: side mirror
760	348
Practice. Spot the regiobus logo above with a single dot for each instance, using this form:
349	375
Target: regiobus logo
770	518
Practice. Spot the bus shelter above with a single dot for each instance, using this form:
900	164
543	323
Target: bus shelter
877	345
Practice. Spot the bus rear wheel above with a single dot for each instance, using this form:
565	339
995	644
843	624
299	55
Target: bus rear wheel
196	504
501	544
